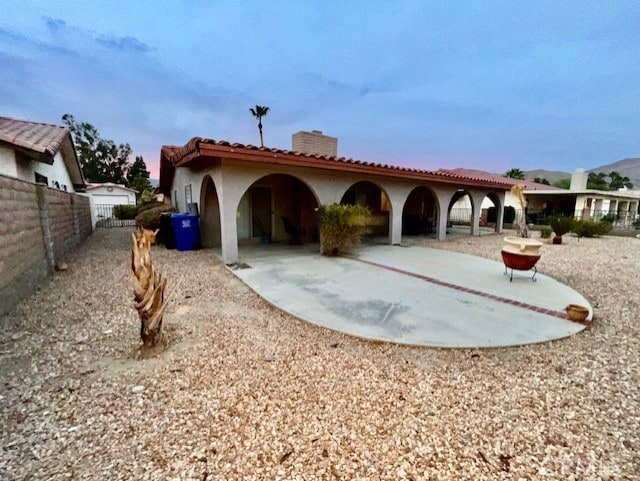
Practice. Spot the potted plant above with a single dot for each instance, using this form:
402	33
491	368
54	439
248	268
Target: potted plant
561	225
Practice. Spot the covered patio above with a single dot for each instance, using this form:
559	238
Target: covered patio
247	194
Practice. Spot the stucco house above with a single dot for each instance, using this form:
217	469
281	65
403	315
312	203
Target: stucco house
39	152
621	206
579	202
107	195
244	192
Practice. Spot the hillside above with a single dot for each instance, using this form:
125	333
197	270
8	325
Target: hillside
551	175
626	168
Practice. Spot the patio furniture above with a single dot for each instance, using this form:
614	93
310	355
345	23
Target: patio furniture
295	233
521	254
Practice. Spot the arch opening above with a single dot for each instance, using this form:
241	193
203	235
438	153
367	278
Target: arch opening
277	208
490	212
420	212
370	195
210	228
460	213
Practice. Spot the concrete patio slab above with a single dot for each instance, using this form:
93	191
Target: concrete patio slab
412	295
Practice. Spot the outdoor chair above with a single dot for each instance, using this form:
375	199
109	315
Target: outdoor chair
294	232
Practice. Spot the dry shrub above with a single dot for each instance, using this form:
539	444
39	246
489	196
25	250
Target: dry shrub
341	227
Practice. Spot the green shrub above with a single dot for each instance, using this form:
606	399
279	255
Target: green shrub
589	228
150	218
124	212
509	214
341	227
610	218
561	224
545	231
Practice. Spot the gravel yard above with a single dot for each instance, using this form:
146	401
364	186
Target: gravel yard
330	406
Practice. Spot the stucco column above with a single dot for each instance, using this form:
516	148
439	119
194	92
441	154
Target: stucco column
443	198
228	229
500	213
397	195
476	207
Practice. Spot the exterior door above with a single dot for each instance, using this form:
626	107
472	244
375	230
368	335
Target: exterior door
261	209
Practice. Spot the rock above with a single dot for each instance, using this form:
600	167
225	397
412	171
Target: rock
62	266
137	389
271	358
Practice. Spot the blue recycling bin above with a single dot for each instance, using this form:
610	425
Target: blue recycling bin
187	230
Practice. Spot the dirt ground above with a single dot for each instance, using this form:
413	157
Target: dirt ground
78	402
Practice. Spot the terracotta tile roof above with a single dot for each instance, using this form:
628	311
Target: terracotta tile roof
36	136
480	174
42	142
173	156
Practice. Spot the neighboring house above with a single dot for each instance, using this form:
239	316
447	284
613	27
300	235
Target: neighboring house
39	152
620	206
107	195
247	193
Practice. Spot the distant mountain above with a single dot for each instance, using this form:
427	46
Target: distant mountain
626	168
154	182
551	175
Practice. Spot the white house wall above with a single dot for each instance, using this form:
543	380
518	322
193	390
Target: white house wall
8	163
25	169
233	178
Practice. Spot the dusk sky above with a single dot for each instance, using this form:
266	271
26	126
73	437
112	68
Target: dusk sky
488	85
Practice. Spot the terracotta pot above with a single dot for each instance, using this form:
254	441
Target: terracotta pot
522	245
519	261
577	313
557	239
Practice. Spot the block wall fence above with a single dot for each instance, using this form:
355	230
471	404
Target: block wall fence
39	226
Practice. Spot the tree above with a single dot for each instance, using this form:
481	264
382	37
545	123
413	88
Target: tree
100	159
618	181
562	183
138	176
259	112
541	180
515	174
597	181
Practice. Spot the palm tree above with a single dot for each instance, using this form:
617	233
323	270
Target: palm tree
515	174
259	112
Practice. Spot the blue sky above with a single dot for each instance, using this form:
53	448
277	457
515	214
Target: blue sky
489	85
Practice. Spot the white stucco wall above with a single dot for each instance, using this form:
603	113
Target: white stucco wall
8	162
25	169
233	178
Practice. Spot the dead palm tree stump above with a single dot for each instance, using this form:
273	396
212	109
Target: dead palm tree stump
148	288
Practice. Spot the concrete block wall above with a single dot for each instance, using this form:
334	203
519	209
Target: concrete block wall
39	226
314	142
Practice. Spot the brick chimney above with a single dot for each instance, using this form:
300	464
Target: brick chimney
314	142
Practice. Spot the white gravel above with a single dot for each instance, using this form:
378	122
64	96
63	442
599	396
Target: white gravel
246	392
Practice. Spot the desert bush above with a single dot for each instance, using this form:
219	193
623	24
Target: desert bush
509	214
589	228
508	218
561	224
150	218
545	231
610	218
341	227
124	212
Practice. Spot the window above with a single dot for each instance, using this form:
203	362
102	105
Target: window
187	194
41	179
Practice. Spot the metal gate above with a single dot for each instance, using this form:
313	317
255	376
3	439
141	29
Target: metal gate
106	218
